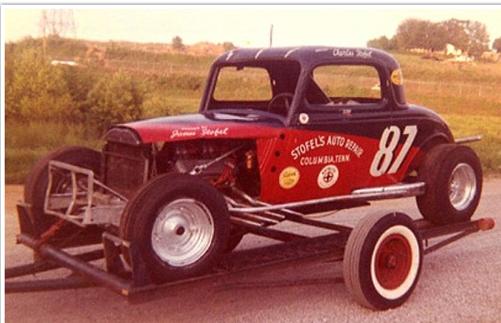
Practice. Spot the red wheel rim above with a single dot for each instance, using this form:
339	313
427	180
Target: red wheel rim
393	261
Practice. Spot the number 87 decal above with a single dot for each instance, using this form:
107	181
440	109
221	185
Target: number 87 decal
382	162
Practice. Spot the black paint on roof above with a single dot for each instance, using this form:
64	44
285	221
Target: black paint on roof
310	55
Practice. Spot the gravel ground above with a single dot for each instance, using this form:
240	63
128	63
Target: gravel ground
459	283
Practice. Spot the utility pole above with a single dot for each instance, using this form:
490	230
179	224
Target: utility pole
271	35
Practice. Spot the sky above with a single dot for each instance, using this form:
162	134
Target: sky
245	26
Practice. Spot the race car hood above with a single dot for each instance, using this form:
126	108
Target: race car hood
201	126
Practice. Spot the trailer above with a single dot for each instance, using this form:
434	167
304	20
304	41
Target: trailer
132	280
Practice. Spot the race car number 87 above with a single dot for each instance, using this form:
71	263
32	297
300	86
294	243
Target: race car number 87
382	162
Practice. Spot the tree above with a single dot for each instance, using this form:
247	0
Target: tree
227	46
412	33
496	45
177	43
478	38
382	43
36	90
417	33
437	37
456	32
80	81
115	99
469	36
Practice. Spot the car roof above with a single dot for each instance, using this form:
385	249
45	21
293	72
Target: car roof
310	55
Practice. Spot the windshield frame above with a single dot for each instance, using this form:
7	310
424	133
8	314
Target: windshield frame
212	81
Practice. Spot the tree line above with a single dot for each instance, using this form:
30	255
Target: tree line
38	90
469	36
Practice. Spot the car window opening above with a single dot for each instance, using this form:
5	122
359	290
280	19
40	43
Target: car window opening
344	85
260	87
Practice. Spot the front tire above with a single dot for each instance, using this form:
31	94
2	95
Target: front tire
383	260
453	177
37	181
180	224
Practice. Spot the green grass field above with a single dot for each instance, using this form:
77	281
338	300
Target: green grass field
466	96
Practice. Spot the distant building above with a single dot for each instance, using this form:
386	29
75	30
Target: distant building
452	50
457	54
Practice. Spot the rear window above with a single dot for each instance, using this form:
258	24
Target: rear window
345	85
243	84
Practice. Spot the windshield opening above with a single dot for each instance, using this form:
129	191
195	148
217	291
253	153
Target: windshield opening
264	87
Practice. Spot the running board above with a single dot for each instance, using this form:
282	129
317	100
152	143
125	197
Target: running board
361	195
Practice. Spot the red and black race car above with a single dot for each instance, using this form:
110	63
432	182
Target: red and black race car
282	133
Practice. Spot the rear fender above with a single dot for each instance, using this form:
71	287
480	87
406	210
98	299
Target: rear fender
425	146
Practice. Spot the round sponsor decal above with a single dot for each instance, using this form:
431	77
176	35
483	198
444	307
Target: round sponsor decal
289	177
328	176
397	77
304	118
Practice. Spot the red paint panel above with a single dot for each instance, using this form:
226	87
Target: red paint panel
198	126
224	130
311	152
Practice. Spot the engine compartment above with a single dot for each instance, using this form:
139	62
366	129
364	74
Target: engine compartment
222	162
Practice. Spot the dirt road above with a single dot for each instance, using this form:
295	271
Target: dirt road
460	283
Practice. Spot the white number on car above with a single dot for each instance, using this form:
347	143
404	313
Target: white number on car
382	162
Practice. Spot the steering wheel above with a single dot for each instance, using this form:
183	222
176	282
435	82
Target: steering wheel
281	109
346	100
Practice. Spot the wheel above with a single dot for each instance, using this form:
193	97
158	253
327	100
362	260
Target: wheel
382	260
180	224
453	177
37	181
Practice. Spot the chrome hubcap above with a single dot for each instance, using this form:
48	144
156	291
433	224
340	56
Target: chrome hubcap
462	186
182	232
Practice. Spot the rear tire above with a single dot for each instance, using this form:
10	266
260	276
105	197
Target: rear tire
180	225
453	177
383	260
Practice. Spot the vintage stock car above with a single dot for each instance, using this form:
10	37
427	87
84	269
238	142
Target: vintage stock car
281	134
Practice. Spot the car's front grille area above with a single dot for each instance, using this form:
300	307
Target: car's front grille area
126	167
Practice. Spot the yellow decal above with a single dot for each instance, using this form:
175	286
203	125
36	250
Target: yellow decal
397	77
288	177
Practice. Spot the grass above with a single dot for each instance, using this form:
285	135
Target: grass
489	148
416	68
27	142
466	96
